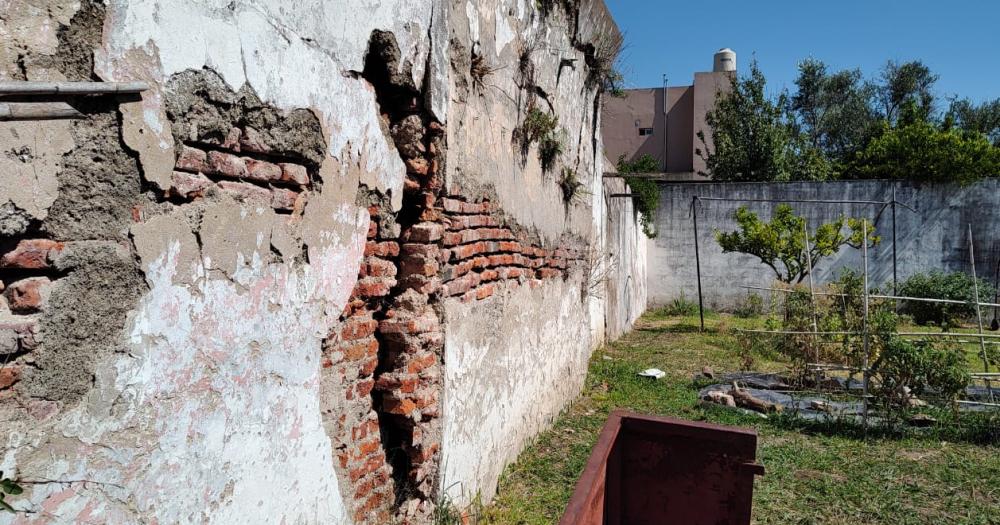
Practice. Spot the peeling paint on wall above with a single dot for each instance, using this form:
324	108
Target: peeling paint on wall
214	300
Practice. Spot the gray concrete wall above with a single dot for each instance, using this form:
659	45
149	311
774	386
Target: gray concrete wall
935	236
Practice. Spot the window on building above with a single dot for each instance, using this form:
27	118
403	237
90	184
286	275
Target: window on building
645	131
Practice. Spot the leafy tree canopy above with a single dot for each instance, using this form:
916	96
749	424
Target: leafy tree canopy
837	125
751	136
781	243
924	152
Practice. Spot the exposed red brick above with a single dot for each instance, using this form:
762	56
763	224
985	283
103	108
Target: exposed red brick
372	229
358	351
484	291
451	238
32	254
28	295
547	273
419	363
424	232
365	387
372	503
226	165
191	159
382	249
422	283
283	199
188	185
294	173
401	407
262	171
429	250
417	166
468	250
471	221
372	287
376	267
246	191
9	375
355	329
420	266
459	206
365	428
369	366
413	325
368	447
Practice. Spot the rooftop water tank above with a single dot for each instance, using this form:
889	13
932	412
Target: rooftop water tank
725	60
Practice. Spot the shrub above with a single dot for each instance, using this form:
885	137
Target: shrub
916	367
752	306
938	285
681	306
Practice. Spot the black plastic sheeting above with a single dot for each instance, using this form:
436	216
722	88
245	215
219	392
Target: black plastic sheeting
776	389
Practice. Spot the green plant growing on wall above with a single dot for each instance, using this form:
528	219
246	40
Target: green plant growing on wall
572	188
780	243
602	64
542	128
550	147
645	192
8	487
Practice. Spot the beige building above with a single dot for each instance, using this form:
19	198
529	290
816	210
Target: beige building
645	121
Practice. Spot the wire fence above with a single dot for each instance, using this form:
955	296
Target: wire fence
816	335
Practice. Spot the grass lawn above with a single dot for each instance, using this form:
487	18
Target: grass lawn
813	476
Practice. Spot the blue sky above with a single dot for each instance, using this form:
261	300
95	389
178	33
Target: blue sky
958	39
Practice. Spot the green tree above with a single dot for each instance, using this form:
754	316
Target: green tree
781	243
833	111
751	135
924	152
902	84
646	193
983	118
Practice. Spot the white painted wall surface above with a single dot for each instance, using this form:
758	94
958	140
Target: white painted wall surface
509	370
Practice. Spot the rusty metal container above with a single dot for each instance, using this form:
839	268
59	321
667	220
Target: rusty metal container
656	470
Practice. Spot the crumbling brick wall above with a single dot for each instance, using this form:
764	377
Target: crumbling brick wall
264	282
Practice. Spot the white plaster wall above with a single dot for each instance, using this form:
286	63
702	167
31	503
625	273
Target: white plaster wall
513	362
214	414
625	278
508	372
